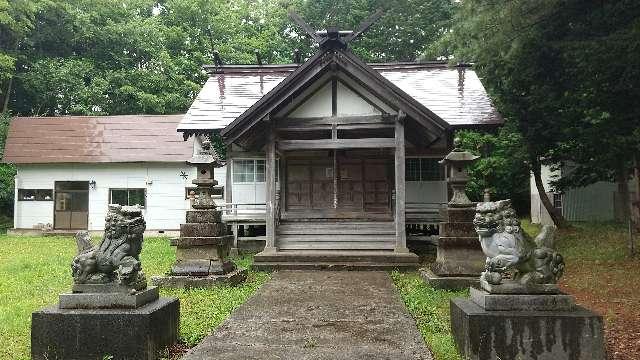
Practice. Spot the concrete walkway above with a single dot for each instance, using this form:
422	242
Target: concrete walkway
318	315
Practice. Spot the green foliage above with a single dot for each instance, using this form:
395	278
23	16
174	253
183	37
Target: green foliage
7	173
404	32
563	73
502	167
34	270
430	308
143	56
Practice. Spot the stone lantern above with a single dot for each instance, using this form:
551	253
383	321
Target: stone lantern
457	162
205	162
202	250
459	259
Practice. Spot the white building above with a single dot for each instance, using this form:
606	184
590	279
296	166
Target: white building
600	201
69	169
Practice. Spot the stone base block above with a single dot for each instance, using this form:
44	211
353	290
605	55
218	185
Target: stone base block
449	282
520	302
234	251
176	281
204	216
70	334
514	287
201	267
526	335
102	300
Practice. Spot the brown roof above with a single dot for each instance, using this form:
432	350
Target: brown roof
96	139
454	94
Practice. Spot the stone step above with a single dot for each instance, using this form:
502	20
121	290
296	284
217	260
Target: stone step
319	256
311	230
337	237
335	245
333	266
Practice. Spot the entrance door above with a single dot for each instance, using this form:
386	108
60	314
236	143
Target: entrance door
309	184
360	185
364	185
72	205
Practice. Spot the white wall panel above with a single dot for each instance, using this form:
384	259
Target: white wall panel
165	188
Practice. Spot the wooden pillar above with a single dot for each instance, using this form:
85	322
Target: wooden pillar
228	187
401	236
270	175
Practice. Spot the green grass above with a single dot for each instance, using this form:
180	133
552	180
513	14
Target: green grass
34	270
430	308
588	249
595	241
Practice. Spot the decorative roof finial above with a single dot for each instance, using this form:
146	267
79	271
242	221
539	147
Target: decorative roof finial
332	37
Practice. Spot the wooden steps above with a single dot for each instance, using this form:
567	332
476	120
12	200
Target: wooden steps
335	260
336	235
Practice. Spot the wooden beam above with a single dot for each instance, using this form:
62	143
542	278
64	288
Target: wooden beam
362	126
401	236
368	143
339	120
270	190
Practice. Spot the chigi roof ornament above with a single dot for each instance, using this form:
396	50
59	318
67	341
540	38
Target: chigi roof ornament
332	38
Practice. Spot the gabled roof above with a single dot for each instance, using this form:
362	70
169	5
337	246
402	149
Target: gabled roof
453	94
96	139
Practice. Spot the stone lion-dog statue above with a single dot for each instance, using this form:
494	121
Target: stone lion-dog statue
515	262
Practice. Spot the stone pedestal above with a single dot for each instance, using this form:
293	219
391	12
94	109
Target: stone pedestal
140	333
460	259
202	252
481	334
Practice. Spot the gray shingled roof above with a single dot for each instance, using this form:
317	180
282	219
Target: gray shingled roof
455	94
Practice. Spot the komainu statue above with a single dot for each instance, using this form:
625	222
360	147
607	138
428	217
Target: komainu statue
117	259
515	262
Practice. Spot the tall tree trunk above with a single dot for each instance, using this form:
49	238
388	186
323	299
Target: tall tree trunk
556	216
636	203
7	95
622	176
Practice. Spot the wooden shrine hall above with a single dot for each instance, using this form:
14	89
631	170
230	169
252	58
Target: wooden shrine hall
345	153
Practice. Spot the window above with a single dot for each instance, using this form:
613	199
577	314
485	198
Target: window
249	171
423	169
128	197
243	171
412	169
35	195
557	201
430	170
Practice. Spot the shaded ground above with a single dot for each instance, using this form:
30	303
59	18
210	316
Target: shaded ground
318	315
601	277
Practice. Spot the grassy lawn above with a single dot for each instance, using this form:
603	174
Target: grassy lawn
603	278
34	270
430	308
598	273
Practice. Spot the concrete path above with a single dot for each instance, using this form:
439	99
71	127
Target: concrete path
318	315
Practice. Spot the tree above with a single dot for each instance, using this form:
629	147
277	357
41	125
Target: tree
404	32
7	171
502	168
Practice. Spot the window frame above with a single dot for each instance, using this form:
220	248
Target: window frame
555	198
144	206
36	193
420	160
254	172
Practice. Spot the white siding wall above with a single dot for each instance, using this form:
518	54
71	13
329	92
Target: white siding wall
539	214
165	188
429	192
